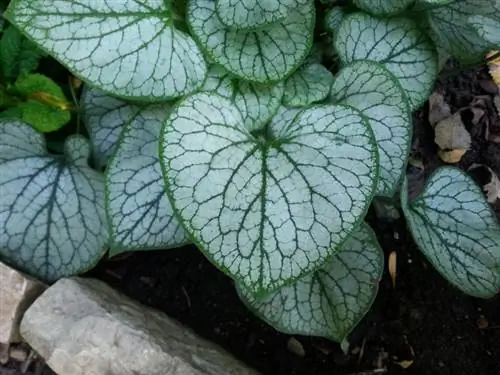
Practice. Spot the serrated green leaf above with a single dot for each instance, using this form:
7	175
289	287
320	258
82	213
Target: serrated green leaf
310	84
398	44
373	90
457	231
450	29
256	102
265	55
43	104
383	7
331	301
251	14
52	218
267	210
18	55
104	117
129	48
139	212
488	28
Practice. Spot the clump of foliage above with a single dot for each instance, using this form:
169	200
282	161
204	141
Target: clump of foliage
33	98
229	125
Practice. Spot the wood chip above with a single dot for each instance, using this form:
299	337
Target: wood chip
451	134
489	180
438	108
452	156
405	364
417	163
392	267
296	347
4	353
482	322
18	354
494	67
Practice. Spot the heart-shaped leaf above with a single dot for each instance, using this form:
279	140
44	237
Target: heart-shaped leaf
128	48
52	218
456	229
256	102
450	28
104	117
310	84
267	207
331	301
398	44
383	7
266	55
139	212
373	90
251	14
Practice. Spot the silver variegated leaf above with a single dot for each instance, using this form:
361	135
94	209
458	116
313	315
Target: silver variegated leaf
384	7
267	208
251	14
456	229
331	301
256	102
140	215
373	90
310	84
52	217
450	28
266	55
129	48
104	117
398	44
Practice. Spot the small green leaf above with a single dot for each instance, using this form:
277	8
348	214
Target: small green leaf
310	84
256	102
373	90
450	28
456	229
267	207
52	218
128	48
139	212
43	104
18	55
251	14
331	301
104	118
398	44
488	28
266	55
383	7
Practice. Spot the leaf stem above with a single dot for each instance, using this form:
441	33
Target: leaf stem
75	102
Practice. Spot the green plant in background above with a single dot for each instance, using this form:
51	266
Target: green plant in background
217	123
33	98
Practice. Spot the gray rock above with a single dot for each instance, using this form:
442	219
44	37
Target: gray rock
84	327
17	292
